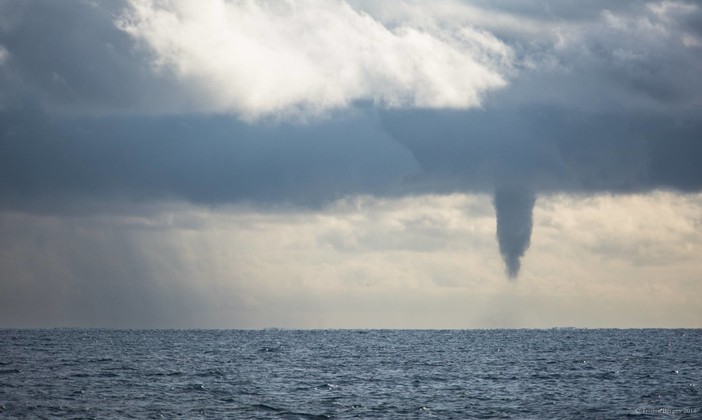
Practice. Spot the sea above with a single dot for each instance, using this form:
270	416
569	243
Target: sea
319	374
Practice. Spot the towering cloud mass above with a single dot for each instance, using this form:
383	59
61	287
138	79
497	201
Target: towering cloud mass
290	57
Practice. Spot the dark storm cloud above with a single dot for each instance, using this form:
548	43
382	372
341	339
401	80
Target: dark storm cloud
217	159
68	57
209	160
551	150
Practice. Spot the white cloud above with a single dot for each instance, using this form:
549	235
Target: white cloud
262	58
656	229
634	58
596	57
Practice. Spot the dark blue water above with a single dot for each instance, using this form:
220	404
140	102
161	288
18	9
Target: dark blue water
347	373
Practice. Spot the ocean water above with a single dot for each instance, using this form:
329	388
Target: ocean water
93	373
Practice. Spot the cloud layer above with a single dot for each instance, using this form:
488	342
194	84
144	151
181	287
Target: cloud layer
269	57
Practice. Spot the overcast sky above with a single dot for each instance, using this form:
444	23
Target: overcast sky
307	164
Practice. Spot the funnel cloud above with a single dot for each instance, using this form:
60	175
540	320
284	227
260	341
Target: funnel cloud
513	208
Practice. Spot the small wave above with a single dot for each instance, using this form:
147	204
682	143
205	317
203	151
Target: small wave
174	374
123	367
606	375
270	350
195	387
267	407
282	413
101	360
171	374
211	373
297	415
